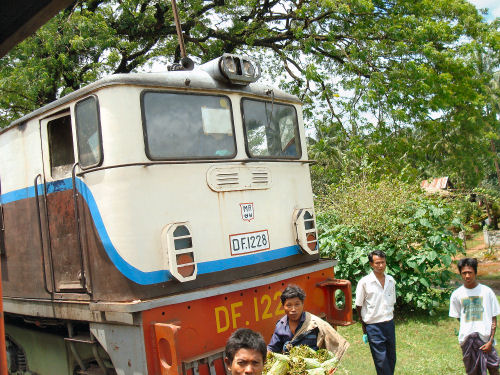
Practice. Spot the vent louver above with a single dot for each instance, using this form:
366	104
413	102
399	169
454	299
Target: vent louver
230	178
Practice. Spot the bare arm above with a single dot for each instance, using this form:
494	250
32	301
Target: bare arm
487	347
363	324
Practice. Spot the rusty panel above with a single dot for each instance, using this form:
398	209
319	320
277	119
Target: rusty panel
22	272
66	255
215	318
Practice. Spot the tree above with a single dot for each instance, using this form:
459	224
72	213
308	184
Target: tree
395	77
394	53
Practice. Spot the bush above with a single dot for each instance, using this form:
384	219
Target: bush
469	213
411	228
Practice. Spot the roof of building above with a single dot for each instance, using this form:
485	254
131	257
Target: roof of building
437	184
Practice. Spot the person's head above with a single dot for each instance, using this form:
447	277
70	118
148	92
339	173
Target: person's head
245	352
468	271
377	260
292	300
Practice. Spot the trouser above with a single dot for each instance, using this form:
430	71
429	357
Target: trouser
382	339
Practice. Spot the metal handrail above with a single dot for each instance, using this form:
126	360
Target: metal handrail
37	202
77	219
51	258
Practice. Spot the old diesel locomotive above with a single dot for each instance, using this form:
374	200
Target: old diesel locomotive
146	216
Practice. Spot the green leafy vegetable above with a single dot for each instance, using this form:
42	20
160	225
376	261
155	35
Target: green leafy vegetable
302	360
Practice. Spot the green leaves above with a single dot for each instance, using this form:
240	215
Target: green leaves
412	229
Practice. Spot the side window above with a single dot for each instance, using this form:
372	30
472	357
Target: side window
88	132
61	153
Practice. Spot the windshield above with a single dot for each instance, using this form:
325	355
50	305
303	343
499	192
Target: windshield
271	129
187	126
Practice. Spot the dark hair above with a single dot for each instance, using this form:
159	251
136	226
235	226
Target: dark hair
244	338
471	262
292	291
378	253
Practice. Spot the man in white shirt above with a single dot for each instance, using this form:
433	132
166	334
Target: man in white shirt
476	307
375	299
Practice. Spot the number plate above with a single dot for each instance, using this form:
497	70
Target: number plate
244	243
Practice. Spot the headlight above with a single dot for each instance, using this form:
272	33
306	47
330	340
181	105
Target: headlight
236	69
229	65
248	68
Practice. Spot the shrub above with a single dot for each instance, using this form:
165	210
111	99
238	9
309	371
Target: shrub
411	228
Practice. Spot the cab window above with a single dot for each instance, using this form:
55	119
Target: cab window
187	126
271	130
88	132
60	146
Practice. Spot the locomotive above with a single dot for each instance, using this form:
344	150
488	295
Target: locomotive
146	216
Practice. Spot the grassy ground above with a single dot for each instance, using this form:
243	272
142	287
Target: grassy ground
425	345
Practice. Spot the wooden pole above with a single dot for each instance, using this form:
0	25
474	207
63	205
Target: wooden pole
179	29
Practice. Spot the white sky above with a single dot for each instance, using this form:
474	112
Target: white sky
492	5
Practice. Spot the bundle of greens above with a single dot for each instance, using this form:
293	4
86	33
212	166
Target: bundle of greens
302	360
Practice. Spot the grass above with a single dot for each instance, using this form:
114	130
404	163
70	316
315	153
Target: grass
476	240
491	276
424	345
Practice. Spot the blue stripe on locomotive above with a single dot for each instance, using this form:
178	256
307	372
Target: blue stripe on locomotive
134	274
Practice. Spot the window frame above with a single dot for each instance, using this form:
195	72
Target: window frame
145	130
247	148
51	148
99	132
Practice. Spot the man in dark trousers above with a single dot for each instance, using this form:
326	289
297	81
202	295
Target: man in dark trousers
476	307
375	299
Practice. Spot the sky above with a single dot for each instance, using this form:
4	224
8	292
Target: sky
492	5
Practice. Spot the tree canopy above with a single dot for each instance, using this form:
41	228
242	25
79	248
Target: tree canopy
399	85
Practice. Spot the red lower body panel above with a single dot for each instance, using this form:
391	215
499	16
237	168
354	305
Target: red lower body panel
194	333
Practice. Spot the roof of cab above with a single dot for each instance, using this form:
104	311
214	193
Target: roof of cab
195	80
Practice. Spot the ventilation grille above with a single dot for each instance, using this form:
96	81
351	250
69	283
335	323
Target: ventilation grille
229	178
260	177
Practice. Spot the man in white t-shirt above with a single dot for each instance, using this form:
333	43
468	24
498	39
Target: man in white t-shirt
476	306
375	299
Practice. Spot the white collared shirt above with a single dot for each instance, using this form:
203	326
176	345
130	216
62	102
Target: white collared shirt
377	303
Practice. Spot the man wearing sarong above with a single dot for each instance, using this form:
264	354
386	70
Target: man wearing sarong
476	307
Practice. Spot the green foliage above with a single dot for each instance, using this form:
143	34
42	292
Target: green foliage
469	213
411	228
